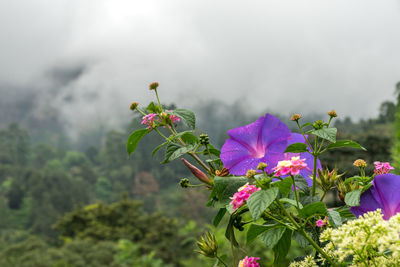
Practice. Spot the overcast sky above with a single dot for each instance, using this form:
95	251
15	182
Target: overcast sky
281	56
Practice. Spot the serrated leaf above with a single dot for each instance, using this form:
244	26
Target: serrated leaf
272	236
174	151
334	218
154	108
219	216
345	143
291	202
257	229
326	133
301	183
353	198
259	201
158	148
187	116
225	187
296	148
316	208
134	139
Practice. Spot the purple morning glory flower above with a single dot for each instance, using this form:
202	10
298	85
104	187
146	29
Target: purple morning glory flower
383	194
264	140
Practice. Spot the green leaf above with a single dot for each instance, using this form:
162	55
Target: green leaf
296	148
345	143
225	187
153	108
134	140
300	239
326	133
291	202
186	136
301	183
157	148
272	236
334	218
353	198
285	186
259	201
282	247
187	116
306	124
174	151
313	208
219	216
255	230
305	200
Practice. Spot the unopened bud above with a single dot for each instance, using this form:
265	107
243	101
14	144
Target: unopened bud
360	163
134	105
153	86
261	166
208	245
184	183
198	173
295	117
318	124
332	113
250	173
204	139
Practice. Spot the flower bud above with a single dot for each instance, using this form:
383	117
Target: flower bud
318	124
198	173
326	179
153	86
250	173
360	163
207	245
261	166
222	173
204	139
295	117
184	183
332	113
134	105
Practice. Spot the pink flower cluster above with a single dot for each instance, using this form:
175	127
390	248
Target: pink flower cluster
149	120
292	166
173	118
249	262
241	196
382	167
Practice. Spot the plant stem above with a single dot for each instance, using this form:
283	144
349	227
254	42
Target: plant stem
309	239
315	155
295	192
232	249
308	143
163	136
323	196
158	99
220	260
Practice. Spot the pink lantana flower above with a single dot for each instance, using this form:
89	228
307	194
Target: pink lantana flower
292	166
249	262
382	167
241	196
173	118
320	223
149	120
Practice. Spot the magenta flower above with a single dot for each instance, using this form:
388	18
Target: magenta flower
264	140
149	120
382	167
241	196
383	194
249	262
320	223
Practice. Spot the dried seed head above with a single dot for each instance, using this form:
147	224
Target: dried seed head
295	117
153	86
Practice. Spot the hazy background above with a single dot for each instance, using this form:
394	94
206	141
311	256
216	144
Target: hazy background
88	60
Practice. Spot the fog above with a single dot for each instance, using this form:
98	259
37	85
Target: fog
86	60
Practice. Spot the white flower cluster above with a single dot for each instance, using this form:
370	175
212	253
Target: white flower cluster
307	262
367	241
